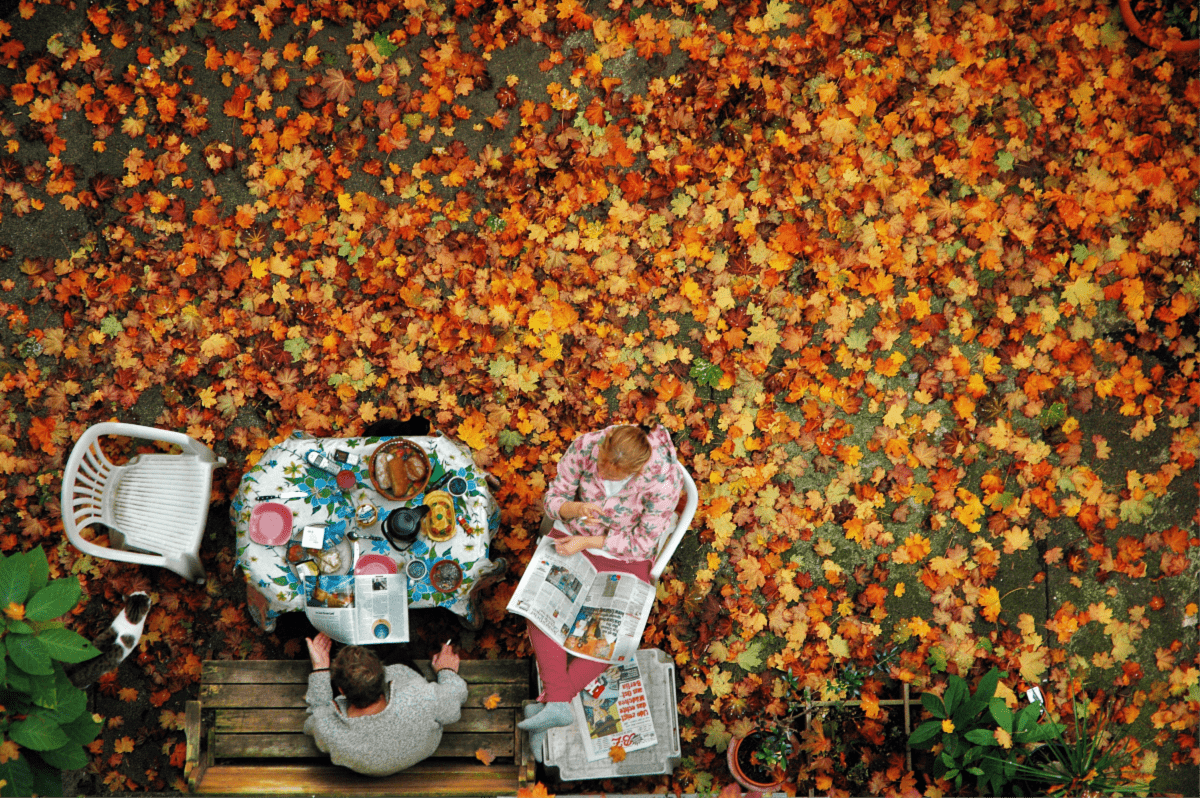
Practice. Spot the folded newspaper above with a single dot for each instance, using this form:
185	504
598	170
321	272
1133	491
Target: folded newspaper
597	616
612	712
359	610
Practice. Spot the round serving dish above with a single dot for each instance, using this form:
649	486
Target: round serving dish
399	469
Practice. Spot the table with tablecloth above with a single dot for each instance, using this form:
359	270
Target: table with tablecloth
312	495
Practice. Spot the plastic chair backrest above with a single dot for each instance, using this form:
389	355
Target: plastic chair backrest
671	542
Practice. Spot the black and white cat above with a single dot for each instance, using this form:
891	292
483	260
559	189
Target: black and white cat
115	643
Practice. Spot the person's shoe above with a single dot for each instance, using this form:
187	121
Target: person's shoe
533	709
556	713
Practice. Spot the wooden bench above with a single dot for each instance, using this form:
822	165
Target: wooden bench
245	736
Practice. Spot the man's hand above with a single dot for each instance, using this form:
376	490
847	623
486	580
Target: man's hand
318	650
445	659
573	545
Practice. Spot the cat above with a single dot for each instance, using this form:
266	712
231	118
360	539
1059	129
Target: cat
115	643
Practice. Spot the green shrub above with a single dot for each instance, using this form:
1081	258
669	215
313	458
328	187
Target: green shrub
966	726
44	722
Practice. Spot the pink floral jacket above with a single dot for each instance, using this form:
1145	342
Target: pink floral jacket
639	515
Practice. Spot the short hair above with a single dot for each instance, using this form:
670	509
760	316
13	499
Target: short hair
358	673
626	447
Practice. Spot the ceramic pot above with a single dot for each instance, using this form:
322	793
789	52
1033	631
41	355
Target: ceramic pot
1140	31
743	770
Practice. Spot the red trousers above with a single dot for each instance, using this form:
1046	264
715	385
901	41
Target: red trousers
564	675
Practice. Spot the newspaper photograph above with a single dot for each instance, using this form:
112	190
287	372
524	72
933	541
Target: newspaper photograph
612	711
597	616
359	610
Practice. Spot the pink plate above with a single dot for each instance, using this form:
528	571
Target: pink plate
374	565
271	524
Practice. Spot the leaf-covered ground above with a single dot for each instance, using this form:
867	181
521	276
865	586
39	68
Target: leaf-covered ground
913	284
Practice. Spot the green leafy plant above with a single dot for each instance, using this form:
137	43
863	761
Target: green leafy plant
978	734
44	722
1092	763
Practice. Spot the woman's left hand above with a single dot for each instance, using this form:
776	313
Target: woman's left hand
573	545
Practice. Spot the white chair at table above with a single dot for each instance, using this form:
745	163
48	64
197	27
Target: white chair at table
158	503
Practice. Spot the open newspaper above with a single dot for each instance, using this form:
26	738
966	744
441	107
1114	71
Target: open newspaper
612	711
597	616
359	610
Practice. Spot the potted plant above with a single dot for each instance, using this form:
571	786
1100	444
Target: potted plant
978	734
1150	21
1091	763
759	761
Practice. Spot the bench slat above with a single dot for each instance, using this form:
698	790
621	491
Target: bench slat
433	777
473	671
291	721
237	746
256	696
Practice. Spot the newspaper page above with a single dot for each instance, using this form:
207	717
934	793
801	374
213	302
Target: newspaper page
359	610
552	589
612	711
597	616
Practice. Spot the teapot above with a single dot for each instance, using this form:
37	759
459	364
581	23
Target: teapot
401	526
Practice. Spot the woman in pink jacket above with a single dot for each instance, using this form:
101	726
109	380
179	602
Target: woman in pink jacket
615	492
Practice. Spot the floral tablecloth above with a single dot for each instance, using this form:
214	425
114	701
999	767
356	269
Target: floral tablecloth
312	495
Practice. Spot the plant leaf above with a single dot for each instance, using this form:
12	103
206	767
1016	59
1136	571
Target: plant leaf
53	600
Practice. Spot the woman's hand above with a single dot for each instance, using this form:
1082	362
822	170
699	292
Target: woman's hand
318	650
584	511
573	545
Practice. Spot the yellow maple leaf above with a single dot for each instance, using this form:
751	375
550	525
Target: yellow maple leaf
473	431
9	750
14	611
492	701
1003	737
989	600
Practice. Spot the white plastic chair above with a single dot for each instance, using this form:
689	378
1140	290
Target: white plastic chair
157	502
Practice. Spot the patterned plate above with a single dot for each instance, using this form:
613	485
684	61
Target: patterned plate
399	469
438	524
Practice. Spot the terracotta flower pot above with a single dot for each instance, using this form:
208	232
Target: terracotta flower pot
1140	31
738	755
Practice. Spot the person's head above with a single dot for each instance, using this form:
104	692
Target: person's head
623	452
357	674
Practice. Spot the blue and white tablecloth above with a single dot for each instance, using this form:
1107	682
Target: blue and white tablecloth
313	497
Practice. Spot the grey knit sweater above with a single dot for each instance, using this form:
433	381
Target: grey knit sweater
408	730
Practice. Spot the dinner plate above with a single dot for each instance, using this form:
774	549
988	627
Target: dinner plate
413	460
374	565
270	524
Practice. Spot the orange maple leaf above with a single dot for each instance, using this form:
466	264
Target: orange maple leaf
616	753
124	745
492	701
485	756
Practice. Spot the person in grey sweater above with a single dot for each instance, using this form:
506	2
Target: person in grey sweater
381	720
